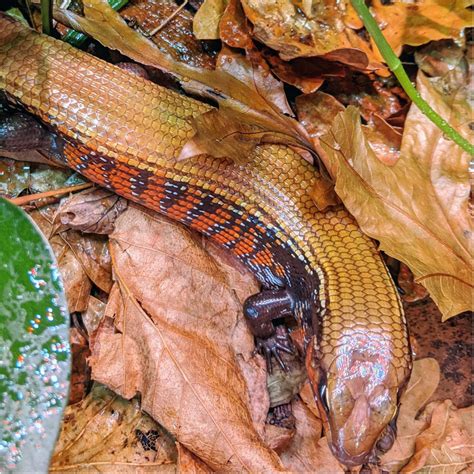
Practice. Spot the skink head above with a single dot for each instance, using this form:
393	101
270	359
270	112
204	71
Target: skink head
358	398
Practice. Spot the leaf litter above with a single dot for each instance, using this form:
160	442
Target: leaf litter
190	360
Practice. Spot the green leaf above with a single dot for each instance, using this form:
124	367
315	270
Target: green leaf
34	344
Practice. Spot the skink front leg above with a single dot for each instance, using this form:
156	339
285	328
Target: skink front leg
260	311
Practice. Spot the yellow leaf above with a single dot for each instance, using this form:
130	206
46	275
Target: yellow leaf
207	18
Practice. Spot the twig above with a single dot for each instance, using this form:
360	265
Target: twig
20	201
396	66
165	22
47	16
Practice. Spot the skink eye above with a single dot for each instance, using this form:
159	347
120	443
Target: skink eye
323	396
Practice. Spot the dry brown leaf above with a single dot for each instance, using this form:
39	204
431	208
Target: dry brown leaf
446	445
105	433
76	282
255	72
384	139
188	463
422	384
417	209
92	252
304	454
172	341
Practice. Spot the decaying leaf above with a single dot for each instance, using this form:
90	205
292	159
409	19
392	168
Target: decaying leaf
178	352
418	208
14	177
104	433
175	30
314	31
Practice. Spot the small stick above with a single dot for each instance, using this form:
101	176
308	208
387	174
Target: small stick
20	201
164	23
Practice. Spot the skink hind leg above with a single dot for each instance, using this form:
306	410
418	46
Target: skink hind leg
260	310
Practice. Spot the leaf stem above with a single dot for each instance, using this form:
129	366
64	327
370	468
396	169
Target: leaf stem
396	66
47	16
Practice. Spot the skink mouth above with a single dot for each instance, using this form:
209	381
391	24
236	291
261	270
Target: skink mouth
350	460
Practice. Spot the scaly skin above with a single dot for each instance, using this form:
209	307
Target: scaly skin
125	133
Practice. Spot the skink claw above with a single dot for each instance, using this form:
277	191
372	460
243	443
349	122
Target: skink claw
271	347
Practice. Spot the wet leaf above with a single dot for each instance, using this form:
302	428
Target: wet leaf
14	177
34	345
174	36
418	23
295	32
106	433
150	339
417	209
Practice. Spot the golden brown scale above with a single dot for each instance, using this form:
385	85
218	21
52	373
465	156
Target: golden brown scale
362	348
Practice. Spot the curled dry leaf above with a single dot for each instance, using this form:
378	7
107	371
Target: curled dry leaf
256	73
91	211
446	445
106	433
172	341
423	382
417	209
